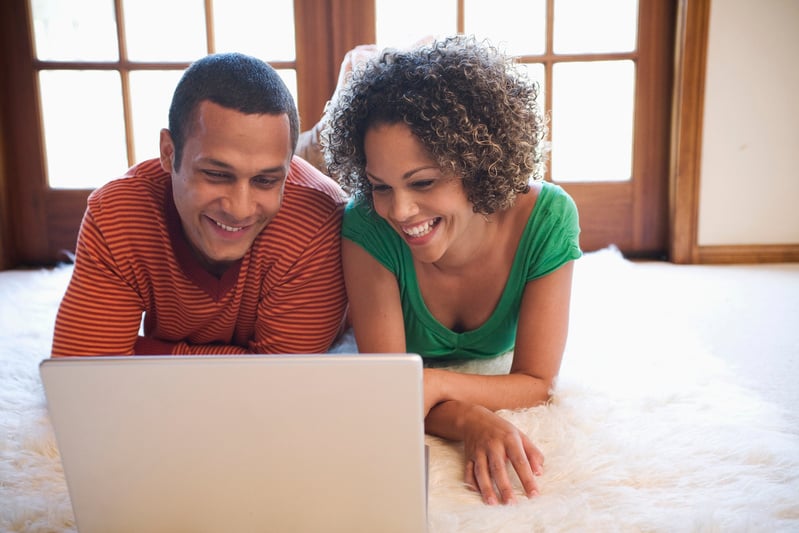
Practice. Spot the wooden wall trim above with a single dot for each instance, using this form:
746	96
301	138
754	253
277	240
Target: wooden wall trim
757	253
693	22
693	18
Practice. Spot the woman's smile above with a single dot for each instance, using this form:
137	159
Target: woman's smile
417	231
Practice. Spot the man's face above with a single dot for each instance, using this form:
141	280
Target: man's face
230	182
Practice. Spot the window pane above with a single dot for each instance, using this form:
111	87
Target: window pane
239	27
159	30
591	26
592	121
401	24
84	130
524	33
289	77
151	94
535	72
75	31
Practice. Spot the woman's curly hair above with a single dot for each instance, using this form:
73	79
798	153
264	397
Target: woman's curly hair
468	105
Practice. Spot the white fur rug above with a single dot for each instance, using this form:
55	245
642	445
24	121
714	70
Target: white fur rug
647	431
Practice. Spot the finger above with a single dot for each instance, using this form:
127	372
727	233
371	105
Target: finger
534	456
524	470
482	477
468	476
499	473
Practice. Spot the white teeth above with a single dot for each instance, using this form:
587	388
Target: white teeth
421	229
227	228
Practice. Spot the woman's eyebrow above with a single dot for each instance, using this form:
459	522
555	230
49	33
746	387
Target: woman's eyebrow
405	176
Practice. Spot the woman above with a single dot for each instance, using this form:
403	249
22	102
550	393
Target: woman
454	248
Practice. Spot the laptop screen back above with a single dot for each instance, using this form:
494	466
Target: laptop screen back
244	443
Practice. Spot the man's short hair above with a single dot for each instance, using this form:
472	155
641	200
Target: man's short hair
234	81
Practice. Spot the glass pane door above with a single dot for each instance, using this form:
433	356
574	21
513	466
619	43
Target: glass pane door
604	72
104	94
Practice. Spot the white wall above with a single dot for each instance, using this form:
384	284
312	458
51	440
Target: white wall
749	190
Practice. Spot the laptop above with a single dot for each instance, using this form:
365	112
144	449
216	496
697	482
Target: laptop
257	443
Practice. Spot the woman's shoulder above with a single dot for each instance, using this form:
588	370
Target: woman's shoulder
361	223
359	213
552	234
524	205
363	226
545	202
555	196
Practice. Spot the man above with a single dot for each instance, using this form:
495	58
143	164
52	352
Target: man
227	243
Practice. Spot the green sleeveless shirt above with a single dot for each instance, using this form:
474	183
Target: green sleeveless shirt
550	239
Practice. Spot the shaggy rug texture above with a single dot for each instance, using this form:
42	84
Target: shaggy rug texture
646	431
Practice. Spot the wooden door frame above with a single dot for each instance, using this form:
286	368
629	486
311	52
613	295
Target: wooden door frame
26	199
7	260
23	162
320	47
693	22
640	205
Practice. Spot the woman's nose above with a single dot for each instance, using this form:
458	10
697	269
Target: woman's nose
403	206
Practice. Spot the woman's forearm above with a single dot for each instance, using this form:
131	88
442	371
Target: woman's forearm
510	391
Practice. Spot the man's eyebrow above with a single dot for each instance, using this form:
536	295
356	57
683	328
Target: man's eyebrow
215	162
405	176
222	164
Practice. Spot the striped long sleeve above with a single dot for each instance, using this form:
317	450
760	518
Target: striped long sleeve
286	295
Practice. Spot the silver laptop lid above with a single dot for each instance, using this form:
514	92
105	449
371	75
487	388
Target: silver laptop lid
242	443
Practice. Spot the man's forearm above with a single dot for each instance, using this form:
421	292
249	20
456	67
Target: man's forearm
153	346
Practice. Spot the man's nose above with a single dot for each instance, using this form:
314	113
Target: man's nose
240	204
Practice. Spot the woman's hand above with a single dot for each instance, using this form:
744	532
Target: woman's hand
489	442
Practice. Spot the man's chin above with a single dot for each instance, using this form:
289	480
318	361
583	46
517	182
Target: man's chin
229	257
219	262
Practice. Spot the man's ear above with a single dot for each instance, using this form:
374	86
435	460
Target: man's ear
167	151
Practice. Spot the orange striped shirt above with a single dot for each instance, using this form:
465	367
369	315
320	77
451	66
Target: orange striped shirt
286	295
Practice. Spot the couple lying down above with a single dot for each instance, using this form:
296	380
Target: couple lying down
437	236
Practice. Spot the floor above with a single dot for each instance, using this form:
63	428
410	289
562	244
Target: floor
748	315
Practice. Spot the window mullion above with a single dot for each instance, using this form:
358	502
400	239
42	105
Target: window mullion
210	37
127	113
548	62
121	33
124	78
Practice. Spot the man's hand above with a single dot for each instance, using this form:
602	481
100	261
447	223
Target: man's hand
490	442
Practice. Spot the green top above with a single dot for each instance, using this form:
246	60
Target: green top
550	239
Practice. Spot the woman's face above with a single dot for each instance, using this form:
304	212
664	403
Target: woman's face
427	208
